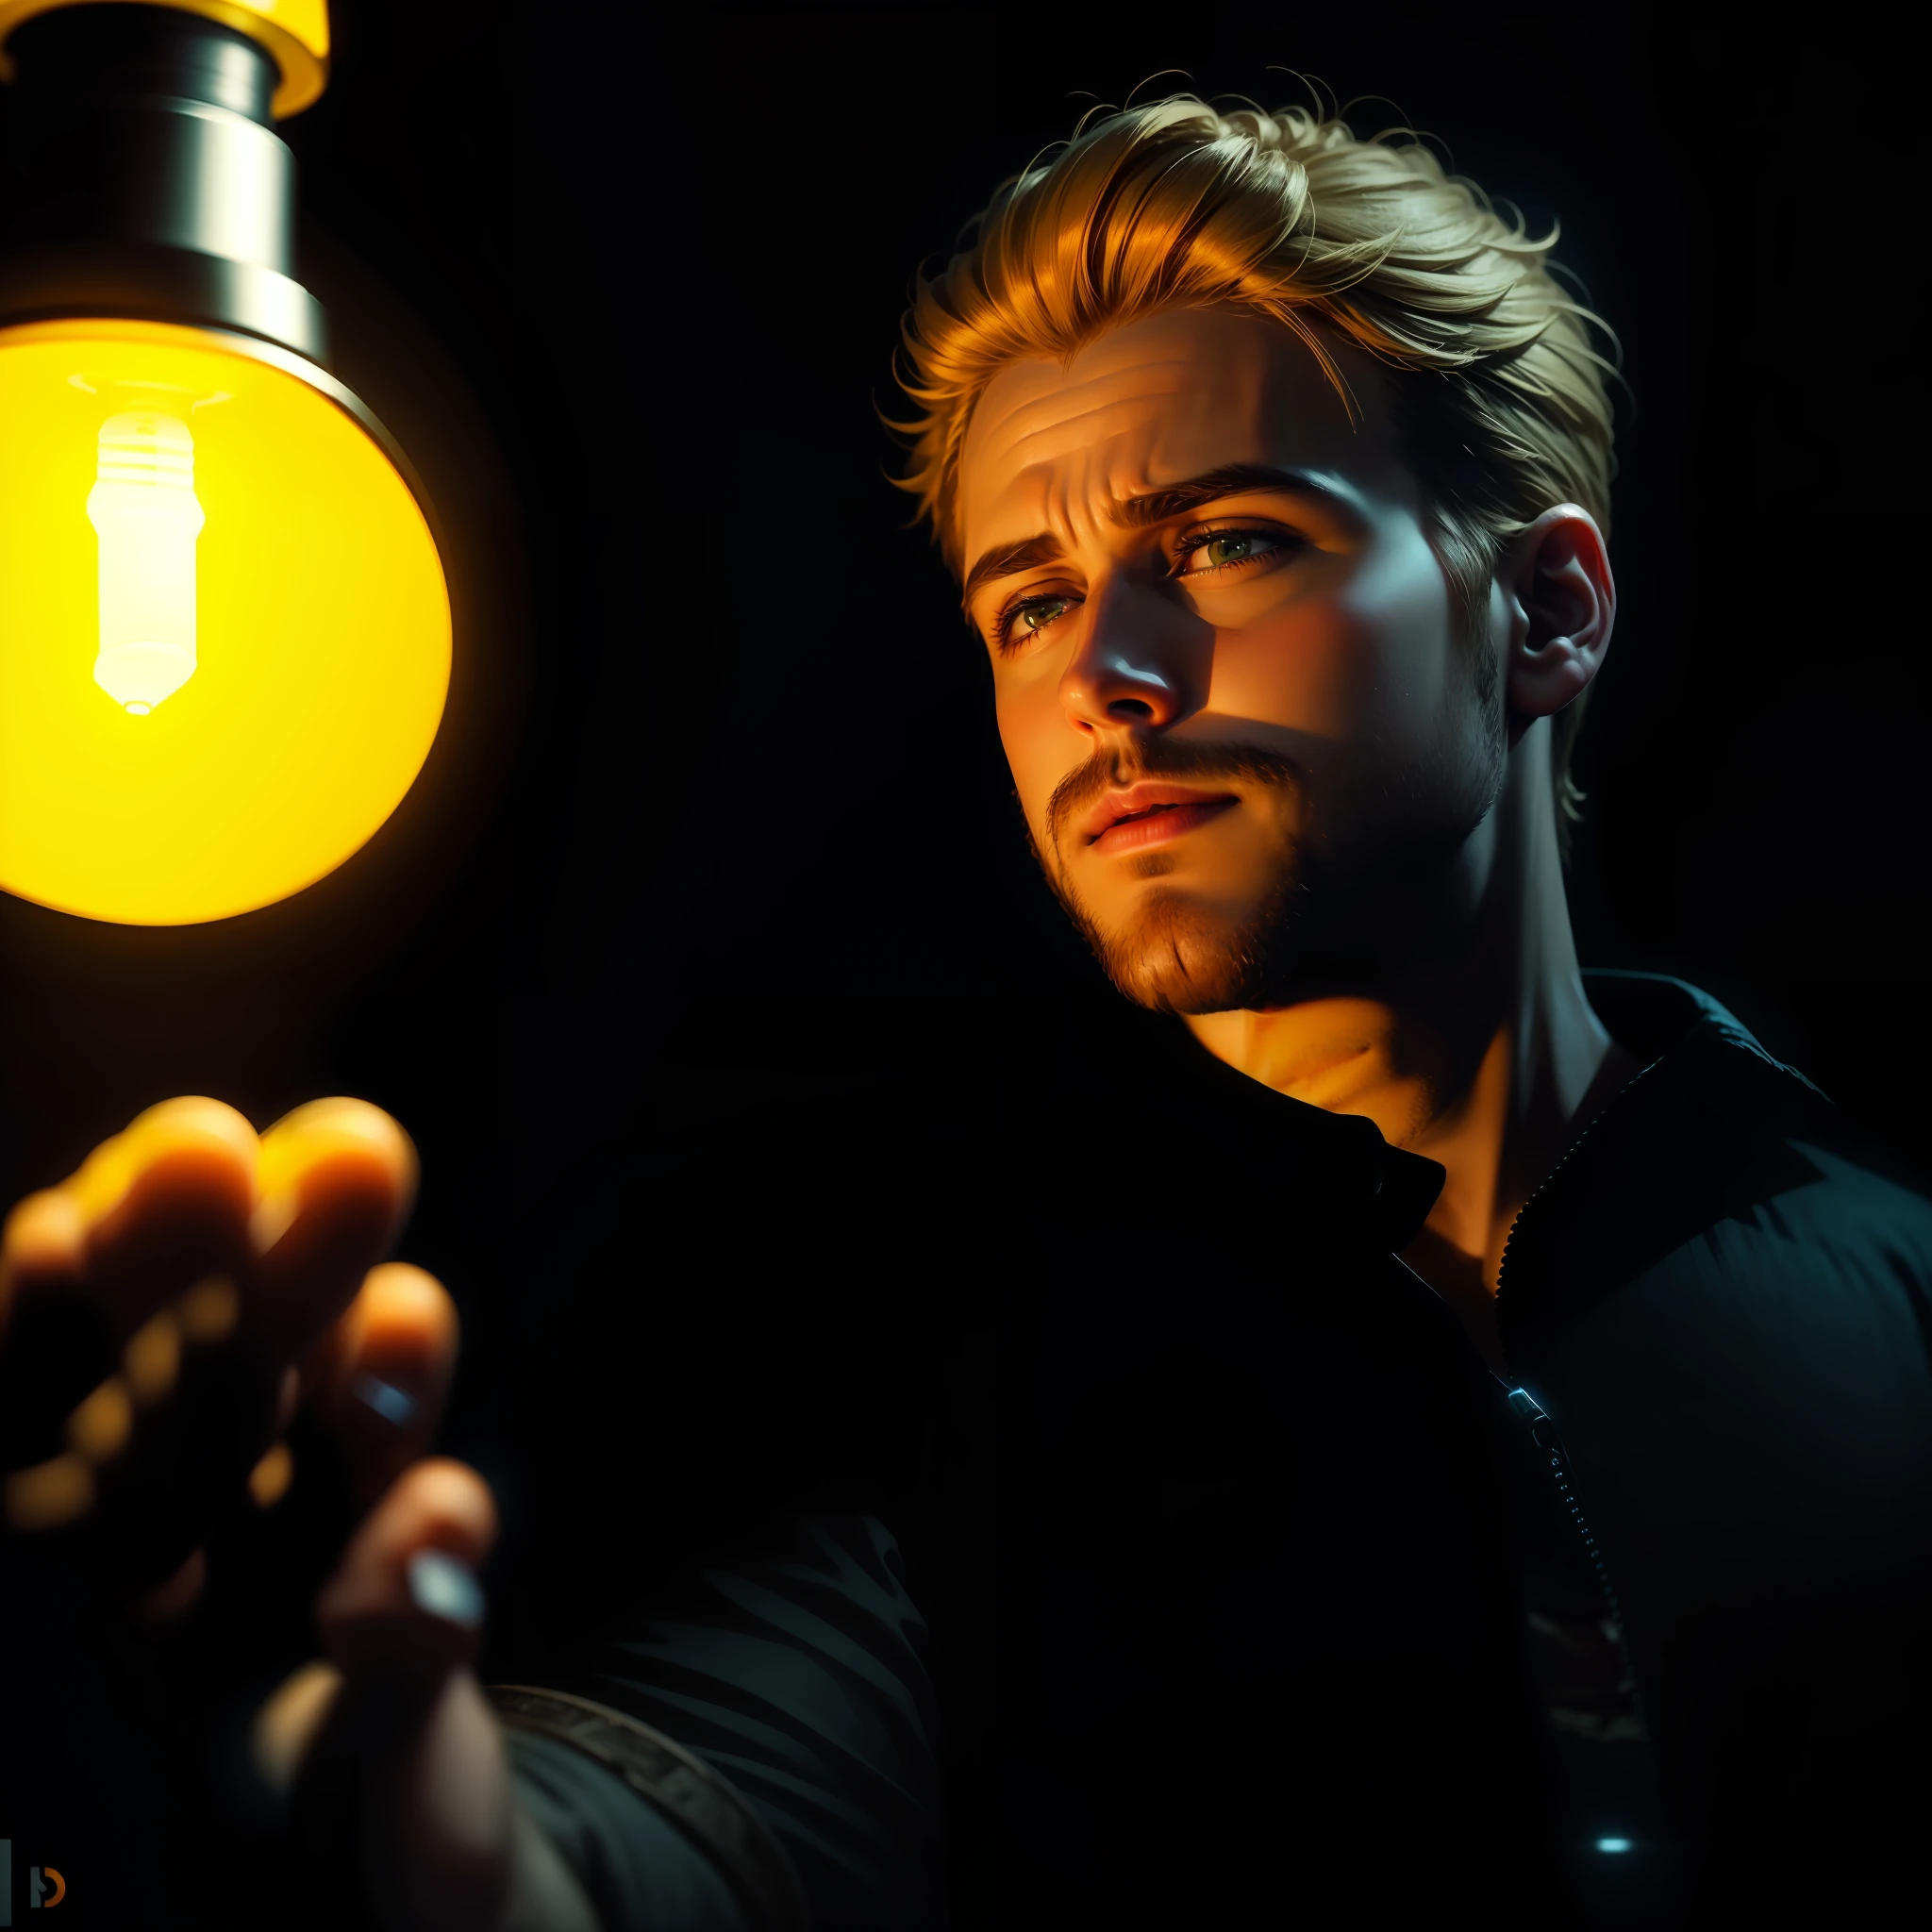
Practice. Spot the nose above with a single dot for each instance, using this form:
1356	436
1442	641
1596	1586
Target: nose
1137	665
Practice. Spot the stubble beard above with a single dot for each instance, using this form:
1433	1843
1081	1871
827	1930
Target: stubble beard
1176	956
1335	912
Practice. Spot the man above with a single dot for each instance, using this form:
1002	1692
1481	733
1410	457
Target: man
1275	468
1178	1421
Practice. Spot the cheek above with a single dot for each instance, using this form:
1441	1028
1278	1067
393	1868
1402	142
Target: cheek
1041	746
1365	655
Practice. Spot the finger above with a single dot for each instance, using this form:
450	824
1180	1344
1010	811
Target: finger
165	1205
56	1343
153	1457
382	1375
440	1814
84	1265
405	1606
337	1181
291	1719
42	1243
424	1812
391	1622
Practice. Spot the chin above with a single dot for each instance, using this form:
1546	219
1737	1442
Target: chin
1174	955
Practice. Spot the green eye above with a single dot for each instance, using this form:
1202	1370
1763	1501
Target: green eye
1220	549
1032	617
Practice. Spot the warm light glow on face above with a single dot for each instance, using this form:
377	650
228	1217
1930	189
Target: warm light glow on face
224	635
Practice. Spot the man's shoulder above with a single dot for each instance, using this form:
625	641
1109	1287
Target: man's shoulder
1851	1186
1726	1250
1803	1205
1718	1157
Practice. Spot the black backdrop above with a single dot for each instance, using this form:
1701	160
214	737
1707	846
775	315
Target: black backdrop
721	797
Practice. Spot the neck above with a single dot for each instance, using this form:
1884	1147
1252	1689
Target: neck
1476	1048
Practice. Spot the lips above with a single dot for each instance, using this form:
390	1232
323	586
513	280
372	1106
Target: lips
1147	813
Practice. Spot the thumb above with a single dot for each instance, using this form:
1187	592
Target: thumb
397	1709
401	1609
404	1607
439	1817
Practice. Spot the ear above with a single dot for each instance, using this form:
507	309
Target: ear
1561	601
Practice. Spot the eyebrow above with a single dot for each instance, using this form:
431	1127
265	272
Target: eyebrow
1152	506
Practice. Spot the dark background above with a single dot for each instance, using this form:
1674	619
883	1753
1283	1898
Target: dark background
720	802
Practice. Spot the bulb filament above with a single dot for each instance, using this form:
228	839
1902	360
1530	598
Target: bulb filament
148	518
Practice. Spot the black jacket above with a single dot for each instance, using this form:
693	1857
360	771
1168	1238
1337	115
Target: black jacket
1045	1548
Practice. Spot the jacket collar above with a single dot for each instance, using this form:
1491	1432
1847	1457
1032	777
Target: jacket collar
1342	1159
1645	1175
1704	1079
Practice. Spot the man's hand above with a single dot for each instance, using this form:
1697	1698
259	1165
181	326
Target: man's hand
163	1316
162	1313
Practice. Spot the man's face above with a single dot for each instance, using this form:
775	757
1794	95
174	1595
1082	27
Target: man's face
1241	727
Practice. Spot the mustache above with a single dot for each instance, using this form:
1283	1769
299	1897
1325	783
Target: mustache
1164	757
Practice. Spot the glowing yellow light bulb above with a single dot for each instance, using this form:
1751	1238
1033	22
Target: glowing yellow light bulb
147	517
311	610
286	531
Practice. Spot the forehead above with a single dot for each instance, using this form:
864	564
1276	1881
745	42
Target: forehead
1169	397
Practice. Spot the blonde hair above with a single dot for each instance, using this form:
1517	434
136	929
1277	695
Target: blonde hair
1501	403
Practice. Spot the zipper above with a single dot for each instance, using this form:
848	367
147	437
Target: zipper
1526	1409
1590	1126
1543	1432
